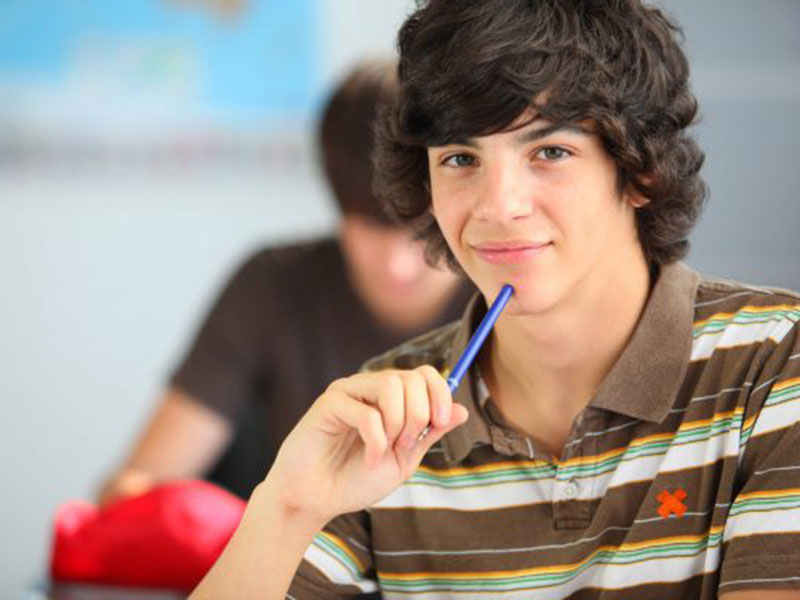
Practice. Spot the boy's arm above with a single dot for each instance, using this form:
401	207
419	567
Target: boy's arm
356	444
264	553
181	440
762	531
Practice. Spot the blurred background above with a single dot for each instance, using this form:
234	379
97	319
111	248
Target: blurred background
147	146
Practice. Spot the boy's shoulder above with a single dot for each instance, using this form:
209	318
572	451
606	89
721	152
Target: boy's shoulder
716	295
731	315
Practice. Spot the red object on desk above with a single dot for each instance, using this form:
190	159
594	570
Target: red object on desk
168	537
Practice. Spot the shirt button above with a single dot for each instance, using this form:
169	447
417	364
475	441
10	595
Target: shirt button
571	489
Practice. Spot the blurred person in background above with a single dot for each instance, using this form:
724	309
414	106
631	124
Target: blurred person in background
292	319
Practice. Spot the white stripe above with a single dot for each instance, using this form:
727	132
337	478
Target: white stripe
779	416
425	552
708	397
520	493
719	393
678	458
335	571
530	447
736	295
357	544
774	469
501	495
740	334
603	576
578	542
673	411
603	432
761	580
777	520
761	386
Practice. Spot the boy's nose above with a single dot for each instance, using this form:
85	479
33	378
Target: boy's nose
504	195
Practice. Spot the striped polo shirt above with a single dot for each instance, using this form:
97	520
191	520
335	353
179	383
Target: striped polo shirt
680	479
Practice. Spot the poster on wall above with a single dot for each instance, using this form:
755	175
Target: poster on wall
154	81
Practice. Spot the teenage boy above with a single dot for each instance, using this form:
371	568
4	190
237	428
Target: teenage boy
630	430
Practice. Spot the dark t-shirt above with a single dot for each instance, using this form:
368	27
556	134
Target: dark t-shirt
286	325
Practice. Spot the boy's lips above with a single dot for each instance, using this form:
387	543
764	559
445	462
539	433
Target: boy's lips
509	252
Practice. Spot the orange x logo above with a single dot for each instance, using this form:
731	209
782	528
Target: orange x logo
672	503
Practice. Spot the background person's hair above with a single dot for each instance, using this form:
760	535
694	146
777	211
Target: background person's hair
346	137
471	68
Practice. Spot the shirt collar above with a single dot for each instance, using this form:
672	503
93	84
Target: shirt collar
655	359
646	378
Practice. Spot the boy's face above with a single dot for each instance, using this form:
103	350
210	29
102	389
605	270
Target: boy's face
537	207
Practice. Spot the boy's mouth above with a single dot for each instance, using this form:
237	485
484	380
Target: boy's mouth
509	252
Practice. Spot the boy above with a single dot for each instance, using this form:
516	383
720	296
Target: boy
632	426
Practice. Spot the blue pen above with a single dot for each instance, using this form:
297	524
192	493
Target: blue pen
474	345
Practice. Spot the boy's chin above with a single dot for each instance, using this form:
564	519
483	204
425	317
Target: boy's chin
527	300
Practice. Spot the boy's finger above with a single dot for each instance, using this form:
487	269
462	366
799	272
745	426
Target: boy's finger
365	419
417	407
440	397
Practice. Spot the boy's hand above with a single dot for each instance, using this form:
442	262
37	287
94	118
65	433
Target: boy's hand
359	440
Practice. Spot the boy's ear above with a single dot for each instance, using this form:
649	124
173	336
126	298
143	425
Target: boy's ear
635	197
637	200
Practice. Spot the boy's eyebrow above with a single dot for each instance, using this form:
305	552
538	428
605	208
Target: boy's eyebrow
529	135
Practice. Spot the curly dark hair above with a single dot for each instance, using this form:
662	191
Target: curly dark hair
470	68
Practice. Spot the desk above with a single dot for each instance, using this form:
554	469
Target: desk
88	591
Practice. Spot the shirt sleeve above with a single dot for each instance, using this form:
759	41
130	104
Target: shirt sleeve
761	538
220	367
338	563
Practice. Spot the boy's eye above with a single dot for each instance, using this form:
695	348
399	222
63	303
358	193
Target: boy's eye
552	153
459	160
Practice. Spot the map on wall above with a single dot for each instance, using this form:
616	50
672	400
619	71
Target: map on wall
131	71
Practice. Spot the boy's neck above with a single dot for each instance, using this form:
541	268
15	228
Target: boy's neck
543	370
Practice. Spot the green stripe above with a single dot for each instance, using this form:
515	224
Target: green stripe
745	317
774	399
516	474
790	393
521	582
762	504
512	473
746	433
333	550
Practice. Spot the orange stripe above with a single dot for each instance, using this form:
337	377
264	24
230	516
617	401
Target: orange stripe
554	568
749	423
785	384
745	309
485	468
339	543
768	494
583	459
